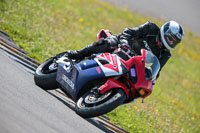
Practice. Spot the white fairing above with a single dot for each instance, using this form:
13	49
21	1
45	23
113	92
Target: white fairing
113	67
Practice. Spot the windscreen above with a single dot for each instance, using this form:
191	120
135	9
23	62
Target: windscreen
152	66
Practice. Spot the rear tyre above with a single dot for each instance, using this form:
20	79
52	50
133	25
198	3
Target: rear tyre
45	74
90	106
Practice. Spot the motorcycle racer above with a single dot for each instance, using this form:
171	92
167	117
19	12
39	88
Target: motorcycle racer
146	36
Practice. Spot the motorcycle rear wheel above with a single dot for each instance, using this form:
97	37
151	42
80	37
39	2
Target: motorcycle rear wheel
110	100
45	74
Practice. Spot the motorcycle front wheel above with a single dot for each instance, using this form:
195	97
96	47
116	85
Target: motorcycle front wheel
90	105
45	74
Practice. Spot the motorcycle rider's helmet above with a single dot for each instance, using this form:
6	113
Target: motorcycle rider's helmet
171	34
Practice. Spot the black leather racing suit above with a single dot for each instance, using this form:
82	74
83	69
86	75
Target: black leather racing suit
144	36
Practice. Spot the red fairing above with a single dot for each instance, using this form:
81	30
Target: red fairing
141	86
112	83
139	62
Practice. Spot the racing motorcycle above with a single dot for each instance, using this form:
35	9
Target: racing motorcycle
101	82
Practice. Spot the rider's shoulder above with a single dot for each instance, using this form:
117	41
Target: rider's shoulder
152	24
149	25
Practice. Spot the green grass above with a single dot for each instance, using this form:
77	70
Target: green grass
45	28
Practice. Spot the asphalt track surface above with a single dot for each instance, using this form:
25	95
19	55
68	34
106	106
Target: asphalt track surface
26	108
186	12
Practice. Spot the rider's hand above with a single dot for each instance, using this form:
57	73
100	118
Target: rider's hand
126	48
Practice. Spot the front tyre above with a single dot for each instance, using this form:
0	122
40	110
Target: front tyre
90	105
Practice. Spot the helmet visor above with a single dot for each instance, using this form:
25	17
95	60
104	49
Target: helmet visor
171	38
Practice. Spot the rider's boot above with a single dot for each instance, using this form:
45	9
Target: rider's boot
74	54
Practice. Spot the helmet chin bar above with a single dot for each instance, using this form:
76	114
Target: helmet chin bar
163	39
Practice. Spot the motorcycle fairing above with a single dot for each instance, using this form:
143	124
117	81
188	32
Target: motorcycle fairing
139	62
139	69
112	67
112	83
74	77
